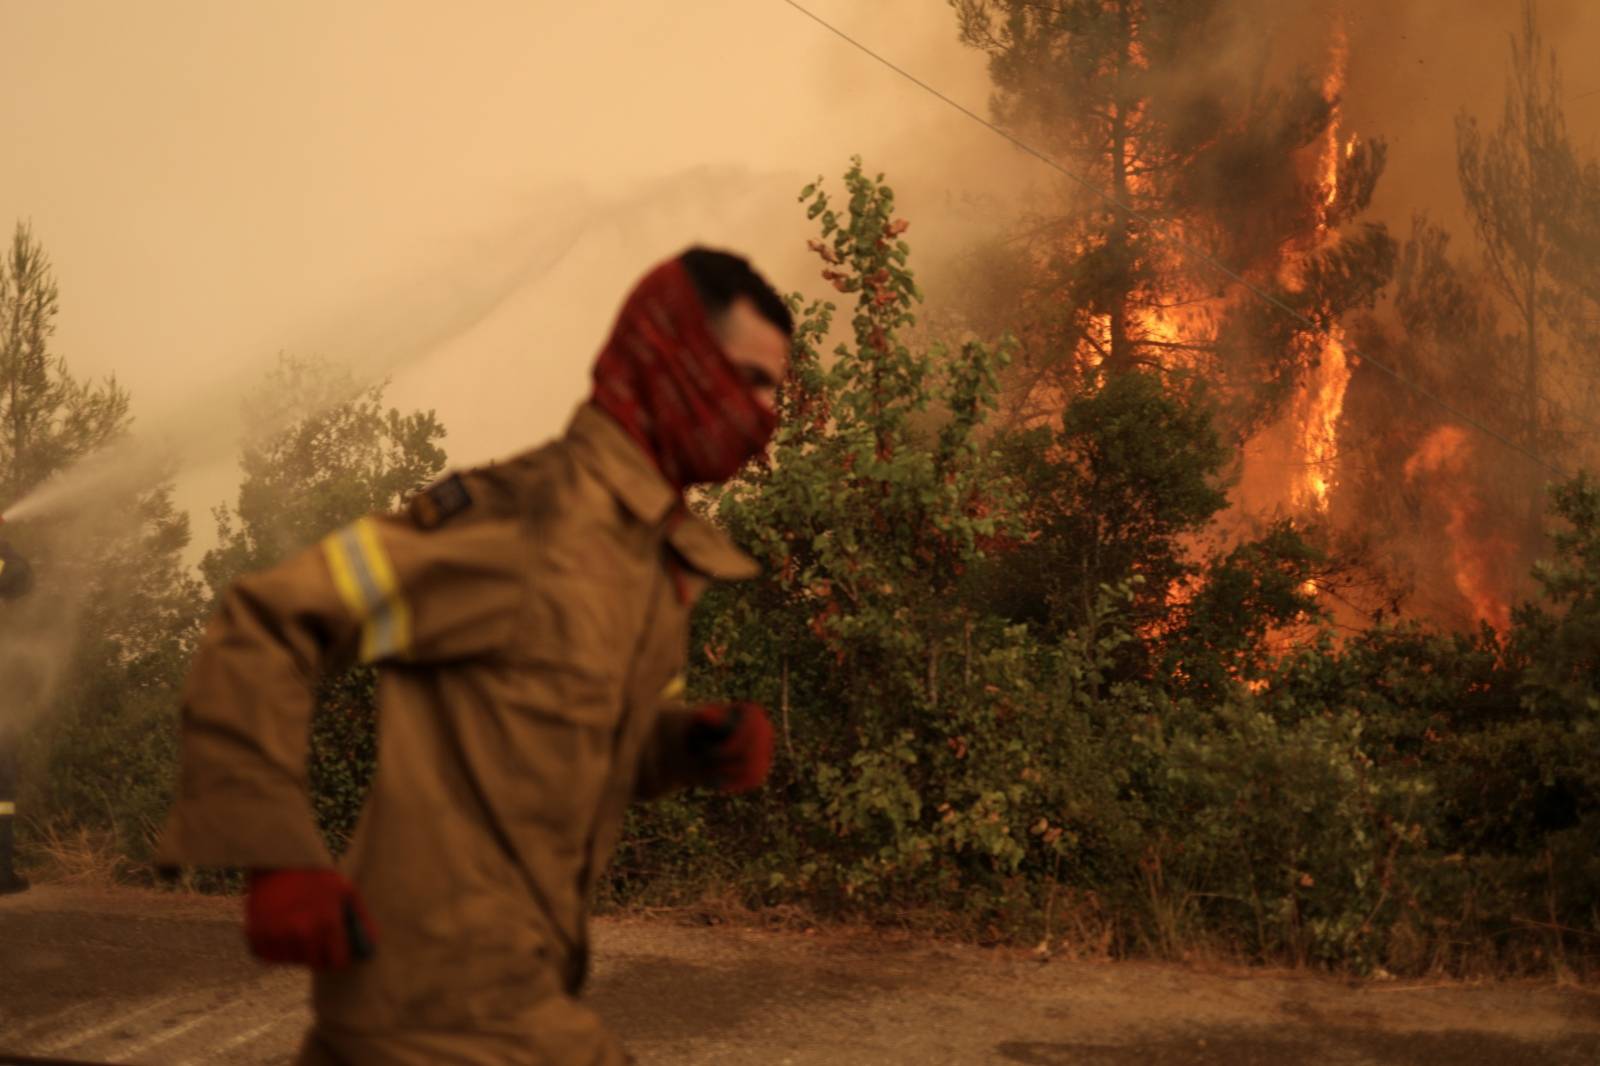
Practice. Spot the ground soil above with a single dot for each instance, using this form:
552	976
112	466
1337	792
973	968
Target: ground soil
115	975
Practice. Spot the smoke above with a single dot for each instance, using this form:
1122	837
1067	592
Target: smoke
213	253
1462	519
1401	76
195	425
402	322
383	332
494	327
1416	66
73	577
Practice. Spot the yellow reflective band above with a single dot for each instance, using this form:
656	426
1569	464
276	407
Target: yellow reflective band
392	617
2	566
7	808
343	579
674	689
366	582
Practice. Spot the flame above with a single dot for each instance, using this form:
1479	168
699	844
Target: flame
1481	562
1292	465
1333	92
1321	401
1318	408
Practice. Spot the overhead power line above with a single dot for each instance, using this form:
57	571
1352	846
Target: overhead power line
1176	241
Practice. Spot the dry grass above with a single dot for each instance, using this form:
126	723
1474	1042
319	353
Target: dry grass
84	858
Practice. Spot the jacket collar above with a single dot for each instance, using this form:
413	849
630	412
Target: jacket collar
607	450
617	460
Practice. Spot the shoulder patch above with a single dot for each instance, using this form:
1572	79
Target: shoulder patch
438	503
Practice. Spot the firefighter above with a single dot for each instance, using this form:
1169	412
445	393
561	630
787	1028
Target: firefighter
16	578
530	620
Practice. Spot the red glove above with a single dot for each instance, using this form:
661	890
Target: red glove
733	743
306	917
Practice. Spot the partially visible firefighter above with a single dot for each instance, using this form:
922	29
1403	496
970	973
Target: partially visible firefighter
16	578
531	623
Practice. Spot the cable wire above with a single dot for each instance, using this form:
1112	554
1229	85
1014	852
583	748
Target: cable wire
1193	250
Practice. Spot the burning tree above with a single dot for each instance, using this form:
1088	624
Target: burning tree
1505	337
1192	155
1199	152
1219	250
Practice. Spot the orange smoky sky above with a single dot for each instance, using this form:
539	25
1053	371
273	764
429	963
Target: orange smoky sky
1417	64
457	195
454	195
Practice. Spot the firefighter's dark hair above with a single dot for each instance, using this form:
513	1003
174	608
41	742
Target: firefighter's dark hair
721	277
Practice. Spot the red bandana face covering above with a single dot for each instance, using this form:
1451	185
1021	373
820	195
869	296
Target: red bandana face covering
664	378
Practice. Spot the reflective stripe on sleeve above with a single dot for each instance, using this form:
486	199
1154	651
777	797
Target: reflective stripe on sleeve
7	808
367	584
674	689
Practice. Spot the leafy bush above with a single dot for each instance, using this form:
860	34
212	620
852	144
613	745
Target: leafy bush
997	710
1012	699
343	753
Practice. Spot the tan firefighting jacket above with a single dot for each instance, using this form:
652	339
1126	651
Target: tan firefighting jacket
531	619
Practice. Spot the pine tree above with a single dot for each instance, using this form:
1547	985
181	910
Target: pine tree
92	656
1519	184
50	419
1169	145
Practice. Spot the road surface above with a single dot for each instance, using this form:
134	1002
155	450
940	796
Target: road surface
134	977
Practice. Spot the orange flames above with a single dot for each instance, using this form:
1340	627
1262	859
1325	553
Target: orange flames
1320	402
1291	468
1481	559
1317	410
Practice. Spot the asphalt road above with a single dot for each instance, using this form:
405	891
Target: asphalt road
130	977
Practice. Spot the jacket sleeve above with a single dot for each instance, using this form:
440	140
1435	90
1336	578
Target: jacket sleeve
665	765
382	589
